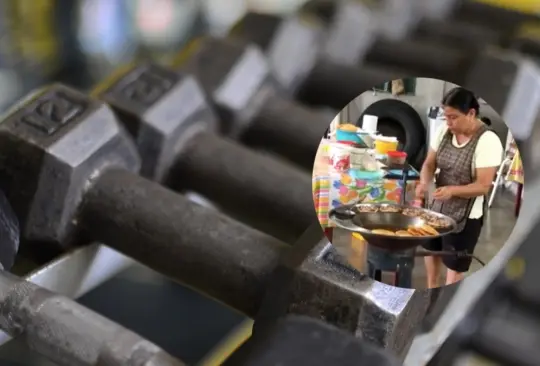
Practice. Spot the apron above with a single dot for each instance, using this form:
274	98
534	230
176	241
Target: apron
455	165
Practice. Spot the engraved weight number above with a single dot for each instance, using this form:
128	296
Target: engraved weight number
149	85
53	112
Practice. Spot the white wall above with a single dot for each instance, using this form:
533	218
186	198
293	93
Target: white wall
428	92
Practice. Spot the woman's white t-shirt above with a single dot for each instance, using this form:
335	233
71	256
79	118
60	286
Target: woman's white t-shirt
488	154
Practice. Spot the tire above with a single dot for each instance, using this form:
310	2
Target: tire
398	119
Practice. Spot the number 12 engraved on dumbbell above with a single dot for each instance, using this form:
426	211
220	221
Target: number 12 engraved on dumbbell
147	85
53	111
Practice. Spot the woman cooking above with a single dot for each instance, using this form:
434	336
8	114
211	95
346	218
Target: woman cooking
466	155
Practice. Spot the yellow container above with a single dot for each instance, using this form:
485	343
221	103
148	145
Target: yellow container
385	144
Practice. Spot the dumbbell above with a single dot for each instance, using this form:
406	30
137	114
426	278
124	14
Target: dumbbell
240	83
175	131
293	46
58	328
68	188
320	71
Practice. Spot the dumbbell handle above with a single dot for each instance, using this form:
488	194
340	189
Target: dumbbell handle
288	129
337	85
280	193
68	333
180	239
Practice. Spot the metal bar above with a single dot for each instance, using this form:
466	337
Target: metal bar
225	259
78	272
69	334
83	269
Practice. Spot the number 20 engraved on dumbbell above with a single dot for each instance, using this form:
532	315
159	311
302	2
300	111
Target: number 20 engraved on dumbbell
53	111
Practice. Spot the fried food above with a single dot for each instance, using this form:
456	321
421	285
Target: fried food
430	230
348	127
438	222
367	209
435	221
414	231
424	230
403	233
390	208
383	232
412	212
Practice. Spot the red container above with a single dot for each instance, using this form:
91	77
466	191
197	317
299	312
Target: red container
396	158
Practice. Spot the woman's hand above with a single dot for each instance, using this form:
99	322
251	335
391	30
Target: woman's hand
443	193
420	191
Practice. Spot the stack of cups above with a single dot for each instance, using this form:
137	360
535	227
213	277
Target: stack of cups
369	124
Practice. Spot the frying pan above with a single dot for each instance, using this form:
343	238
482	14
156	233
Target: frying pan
353	218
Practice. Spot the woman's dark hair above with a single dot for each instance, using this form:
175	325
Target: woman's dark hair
461	99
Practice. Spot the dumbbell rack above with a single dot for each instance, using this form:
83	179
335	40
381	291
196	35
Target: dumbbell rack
65	274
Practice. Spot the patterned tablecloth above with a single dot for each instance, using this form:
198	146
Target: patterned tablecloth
332	189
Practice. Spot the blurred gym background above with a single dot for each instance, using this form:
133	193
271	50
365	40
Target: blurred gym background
78	41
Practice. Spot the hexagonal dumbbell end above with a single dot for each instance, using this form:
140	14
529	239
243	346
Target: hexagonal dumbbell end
290	44
323	287
9	234
51	147
161	109
237	77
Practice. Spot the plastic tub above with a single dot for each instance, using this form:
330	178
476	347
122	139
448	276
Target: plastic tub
385	144
396	158
348	136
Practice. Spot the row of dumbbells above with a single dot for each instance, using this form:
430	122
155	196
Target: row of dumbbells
69	170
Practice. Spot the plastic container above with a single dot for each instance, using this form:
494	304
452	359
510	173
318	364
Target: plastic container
348	136
369	123
357	158
366	138
396	158
340	156
385	144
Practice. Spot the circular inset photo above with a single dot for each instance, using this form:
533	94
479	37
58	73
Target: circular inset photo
418	183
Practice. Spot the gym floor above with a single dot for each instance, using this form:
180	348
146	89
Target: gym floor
497	228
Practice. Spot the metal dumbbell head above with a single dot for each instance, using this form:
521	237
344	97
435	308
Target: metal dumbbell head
239	81
313	280
94	195
53	145
161	108
174	128
9	234
290	44
352	27
293	48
